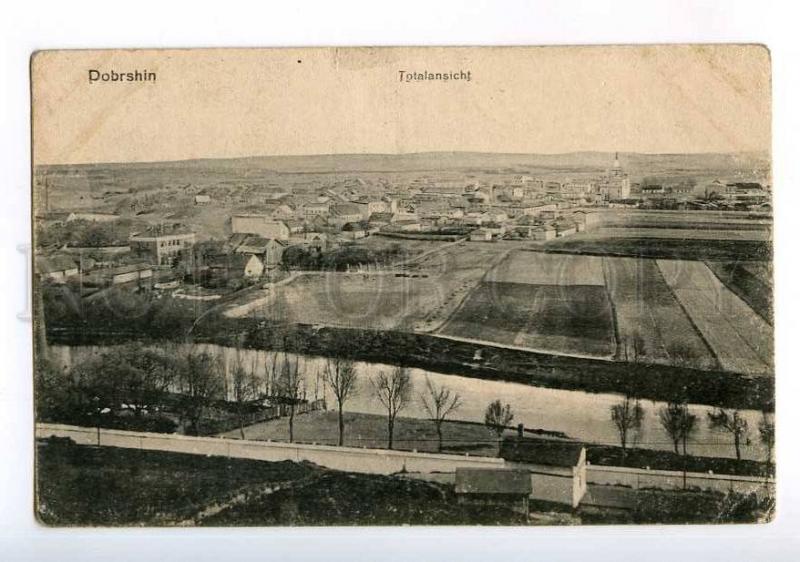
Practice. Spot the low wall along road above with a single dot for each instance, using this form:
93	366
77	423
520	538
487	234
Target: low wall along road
383	461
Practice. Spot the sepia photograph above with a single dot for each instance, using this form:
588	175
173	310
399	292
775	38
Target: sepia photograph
497	286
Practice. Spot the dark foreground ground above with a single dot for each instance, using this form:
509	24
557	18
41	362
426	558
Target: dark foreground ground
88	486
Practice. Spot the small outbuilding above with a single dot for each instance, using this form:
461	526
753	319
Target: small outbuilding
557	469
494	487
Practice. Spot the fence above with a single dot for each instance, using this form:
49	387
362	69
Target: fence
373	461
636	479
383	461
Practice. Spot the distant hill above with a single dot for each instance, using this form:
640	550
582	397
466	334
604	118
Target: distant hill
634	163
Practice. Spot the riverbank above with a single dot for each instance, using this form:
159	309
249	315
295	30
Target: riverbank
427	351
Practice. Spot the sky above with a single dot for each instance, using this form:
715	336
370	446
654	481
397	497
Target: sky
222	103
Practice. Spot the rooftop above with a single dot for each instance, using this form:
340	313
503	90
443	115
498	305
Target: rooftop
492	481
540	451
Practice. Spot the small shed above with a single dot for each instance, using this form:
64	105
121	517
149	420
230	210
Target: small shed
480	235
494	487
557	468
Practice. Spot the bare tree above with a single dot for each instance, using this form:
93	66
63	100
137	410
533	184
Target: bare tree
733	423
766	433
200	382
288	385
341	376
498	417
678	422
244	391
627	417
439	403
394	392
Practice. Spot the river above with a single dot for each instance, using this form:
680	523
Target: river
580	415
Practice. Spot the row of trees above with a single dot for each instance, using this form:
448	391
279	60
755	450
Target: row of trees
680	424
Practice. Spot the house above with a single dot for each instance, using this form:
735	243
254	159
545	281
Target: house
295	226
380	219
223	268
316	240
282	212
202	199
316	209
56	268
160	245
493	487
480	235
354	230
557	468
262	225
653	190
268	250
343	213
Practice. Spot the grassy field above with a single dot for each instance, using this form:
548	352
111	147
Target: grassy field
538	268
685	246
646	308
367	430
572	319
741	339
750	281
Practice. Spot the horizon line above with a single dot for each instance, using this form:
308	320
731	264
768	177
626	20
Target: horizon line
765	152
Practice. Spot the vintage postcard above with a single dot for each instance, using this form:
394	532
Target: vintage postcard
393	286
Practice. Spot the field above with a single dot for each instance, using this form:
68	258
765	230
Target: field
647	309
750	281
418	295
684	246
369	430
556	303
674	312
741	340
571	319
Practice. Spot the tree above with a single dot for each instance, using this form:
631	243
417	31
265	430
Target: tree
439	403
733	423
678	422
244	391
288	385
394	392
146	376
498	417
341	376
627	417
199	383
766	433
